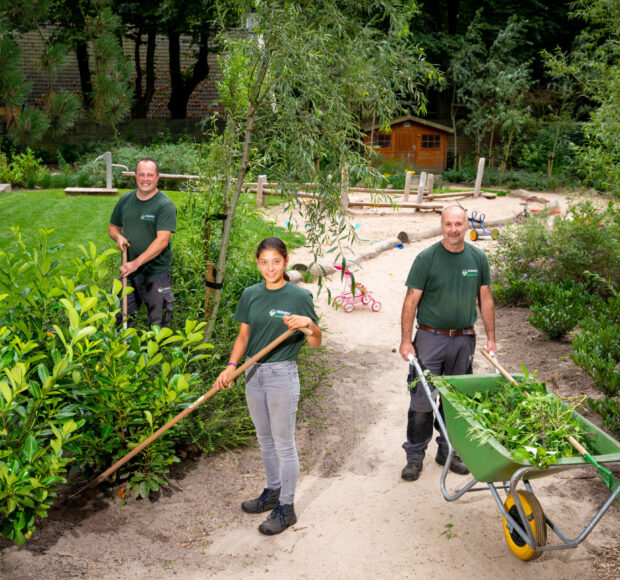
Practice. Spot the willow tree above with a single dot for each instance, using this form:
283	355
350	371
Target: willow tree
292	90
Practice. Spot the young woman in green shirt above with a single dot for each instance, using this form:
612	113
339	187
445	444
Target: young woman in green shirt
265	311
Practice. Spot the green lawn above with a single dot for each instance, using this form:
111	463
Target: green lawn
79	219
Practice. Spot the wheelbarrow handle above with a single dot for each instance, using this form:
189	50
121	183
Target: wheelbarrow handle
493	360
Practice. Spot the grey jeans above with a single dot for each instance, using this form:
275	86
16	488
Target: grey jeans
441	355
272	393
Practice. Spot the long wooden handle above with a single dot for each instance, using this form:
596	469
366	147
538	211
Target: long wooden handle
124	280
499	367
194	405
578	446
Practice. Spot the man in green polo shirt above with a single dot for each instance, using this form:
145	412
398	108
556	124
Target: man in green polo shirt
443	286
143	221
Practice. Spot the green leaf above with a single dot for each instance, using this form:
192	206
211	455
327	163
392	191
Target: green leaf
68	427
30	447
83	333
6	391
149	417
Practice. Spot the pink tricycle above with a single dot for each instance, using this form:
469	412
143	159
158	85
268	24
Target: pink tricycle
361	294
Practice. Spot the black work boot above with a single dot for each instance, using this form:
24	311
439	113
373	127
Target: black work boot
456	465
278	520
263	503
411	471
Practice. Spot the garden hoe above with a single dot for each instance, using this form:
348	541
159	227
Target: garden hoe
188	410
606	475
124	299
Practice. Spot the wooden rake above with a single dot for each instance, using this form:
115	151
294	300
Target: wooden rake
188	410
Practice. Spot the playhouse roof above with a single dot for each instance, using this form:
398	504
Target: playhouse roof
413	119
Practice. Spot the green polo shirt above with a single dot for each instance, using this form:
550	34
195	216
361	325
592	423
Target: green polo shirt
140	221
450	282
263	310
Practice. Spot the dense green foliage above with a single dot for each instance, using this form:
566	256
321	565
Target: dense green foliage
75	382
568	270
532	424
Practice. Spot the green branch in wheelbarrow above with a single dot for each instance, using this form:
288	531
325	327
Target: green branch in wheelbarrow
606	475
189	409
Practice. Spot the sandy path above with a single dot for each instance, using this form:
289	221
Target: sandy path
357	518
367	522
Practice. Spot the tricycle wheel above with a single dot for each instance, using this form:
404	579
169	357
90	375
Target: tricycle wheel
348	307
495	233
365	299
473	235
535	519
376	306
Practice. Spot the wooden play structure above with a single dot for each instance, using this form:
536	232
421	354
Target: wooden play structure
425	198
108	189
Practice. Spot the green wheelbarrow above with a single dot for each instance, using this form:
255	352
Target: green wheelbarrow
524	521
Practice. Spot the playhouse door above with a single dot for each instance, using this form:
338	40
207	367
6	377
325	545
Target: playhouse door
404	145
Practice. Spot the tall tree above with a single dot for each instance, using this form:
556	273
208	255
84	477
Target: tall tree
194	19
292	90
594	66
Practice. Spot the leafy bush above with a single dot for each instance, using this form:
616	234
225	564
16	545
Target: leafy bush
515	178
585	240
596	348
557	308
78	384
24	169
609	409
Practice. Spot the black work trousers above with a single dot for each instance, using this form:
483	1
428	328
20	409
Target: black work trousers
441	355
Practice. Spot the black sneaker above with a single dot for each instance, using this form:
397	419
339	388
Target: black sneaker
263	503
278	520
411	471
456	465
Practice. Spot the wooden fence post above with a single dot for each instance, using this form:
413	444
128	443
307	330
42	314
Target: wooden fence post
260	184
431	182
421	187
479	177
408	175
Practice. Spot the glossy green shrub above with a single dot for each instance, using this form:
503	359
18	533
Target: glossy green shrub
557	308
74	388
596	349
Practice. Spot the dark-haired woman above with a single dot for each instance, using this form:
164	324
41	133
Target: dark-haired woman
265	311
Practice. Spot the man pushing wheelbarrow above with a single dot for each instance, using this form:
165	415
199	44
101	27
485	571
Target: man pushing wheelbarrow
443	285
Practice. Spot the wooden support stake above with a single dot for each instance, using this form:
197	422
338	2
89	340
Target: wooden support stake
479	177
260	184
421	187
431	181
408	176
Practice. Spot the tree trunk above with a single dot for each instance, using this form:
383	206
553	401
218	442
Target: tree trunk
453	108
181	88
81	54
142	100
243	168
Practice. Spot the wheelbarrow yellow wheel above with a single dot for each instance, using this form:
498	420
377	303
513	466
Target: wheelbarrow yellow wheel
535	519
473	235
495	233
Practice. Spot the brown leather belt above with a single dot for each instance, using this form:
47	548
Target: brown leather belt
460	332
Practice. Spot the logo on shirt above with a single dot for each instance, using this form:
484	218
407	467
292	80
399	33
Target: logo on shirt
470	272
278	313
147	217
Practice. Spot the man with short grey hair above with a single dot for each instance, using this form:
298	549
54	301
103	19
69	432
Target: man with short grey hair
444	284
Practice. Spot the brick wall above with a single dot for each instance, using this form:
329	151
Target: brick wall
201	103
